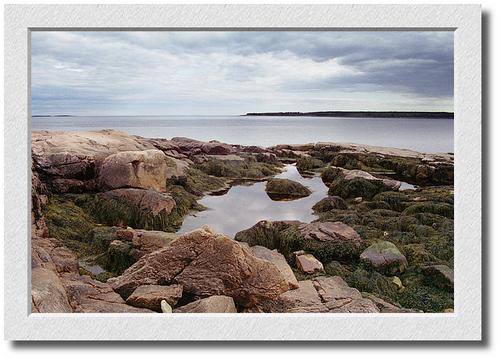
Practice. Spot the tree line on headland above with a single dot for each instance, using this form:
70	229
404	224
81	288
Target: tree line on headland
377	114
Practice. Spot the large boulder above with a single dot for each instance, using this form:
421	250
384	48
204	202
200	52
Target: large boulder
88	161
285	189
147	169
327	241
212	304
205	264
150	296
70	161
385	257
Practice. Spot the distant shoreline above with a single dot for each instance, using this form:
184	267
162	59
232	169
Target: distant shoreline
376	114
63	115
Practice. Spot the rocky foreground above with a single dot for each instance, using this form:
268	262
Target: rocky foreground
112	201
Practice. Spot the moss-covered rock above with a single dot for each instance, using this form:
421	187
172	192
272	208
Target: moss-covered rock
329	174
418	295
335	268
373	282
119	256
329	203
357	187
440	276
326	241
416	254
142	209
102	236
442	209
396	200
280	235
285	189
69	223
199	183
308	163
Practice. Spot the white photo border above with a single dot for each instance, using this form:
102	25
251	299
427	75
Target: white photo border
464	324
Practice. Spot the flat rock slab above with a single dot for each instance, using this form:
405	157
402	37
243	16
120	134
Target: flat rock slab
308	264
150	296
324	294
332	288
330	231
212	304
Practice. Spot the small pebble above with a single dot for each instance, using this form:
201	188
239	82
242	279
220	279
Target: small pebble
166	308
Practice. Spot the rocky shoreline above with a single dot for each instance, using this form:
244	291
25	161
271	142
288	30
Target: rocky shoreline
117	200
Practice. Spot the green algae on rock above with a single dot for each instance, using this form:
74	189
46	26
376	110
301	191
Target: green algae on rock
285	189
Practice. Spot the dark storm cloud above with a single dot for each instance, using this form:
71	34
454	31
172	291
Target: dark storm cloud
241	71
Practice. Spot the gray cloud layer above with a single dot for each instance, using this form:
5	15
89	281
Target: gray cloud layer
109	73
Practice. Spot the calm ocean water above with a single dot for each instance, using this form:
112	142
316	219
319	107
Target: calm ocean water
427	135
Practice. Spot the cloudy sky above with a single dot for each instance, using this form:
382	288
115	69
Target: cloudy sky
218	73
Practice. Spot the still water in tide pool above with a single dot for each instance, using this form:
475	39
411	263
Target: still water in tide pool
244	205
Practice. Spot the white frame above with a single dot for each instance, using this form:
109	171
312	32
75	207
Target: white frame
464	324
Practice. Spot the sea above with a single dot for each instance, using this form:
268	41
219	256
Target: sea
420	134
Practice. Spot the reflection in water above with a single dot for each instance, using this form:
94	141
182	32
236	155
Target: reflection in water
406	186
245	205
88	263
